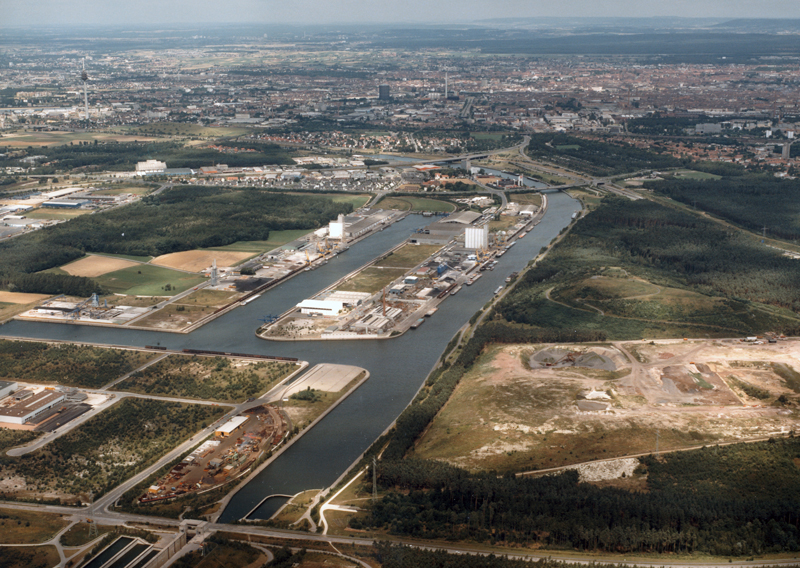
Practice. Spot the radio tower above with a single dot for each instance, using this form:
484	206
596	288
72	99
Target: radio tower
85	78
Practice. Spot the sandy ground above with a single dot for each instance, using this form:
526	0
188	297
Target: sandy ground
198	260
325	377
513	411
91	266
21	298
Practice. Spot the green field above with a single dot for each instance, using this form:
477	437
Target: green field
148	280
127	256
355	199
488	135
372	279
408	256
690	174
276	239
416	204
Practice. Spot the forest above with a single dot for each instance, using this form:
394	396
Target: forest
752	201
596	158
178	219
736	500
66	364
667	247
121	156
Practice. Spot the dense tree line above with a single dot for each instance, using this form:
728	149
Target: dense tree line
753	201
735	500
124	155
181	218
597	158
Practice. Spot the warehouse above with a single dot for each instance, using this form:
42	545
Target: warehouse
30	408
320	307
6	388
230	426
63	204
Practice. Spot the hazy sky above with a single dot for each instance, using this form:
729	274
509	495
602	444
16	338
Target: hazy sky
124	12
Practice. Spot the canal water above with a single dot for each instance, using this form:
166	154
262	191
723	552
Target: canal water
397	366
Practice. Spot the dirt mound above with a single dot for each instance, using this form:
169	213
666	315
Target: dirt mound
559	358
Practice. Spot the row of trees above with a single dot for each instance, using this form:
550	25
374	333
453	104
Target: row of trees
736	500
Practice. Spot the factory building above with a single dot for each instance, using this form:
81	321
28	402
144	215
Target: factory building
6	388
476	238
336	228
230	426
31	407
320	307
150	167
383	93
64	203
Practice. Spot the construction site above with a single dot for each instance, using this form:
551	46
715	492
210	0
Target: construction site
236	445
528	407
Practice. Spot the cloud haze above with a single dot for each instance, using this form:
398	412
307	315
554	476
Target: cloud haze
137	12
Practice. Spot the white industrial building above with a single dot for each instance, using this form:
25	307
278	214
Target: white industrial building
336	228
150	167
31	407
230	426
6	388
476	237
320	307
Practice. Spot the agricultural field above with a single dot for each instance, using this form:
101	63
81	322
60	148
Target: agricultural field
405	203
148	280
198	260
372	279
28	527
56	214
66	364
25	139
276	239
529	407
21	298
207	378
408	256
127	188
182	130
92	266
104	451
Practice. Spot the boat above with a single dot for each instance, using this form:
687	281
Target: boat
430	312
499	289
511	277
417	323
455	290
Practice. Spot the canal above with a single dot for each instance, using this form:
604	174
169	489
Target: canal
397	366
